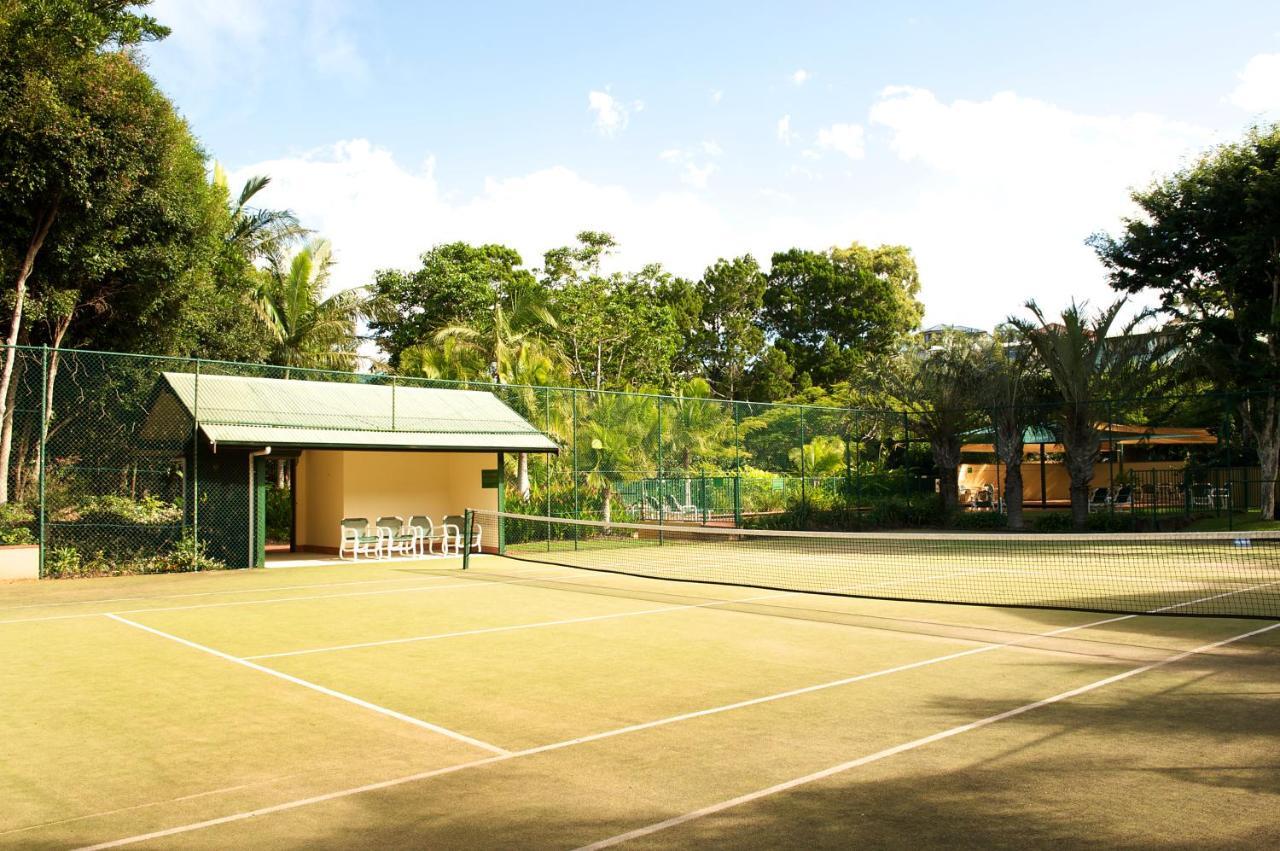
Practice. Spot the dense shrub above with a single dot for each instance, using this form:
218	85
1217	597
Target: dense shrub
980	521
17	524
184	556
279	513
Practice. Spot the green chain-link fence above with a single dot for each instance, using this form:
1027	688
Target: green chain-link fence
105	472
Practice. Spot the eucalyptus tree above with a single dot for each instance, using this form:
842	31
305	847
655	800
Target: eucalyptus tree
1092	360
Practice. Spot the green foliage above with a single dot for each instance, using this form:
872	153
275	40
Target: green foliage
279	513
730	338
456	285
831	311
111	508
17	524
309	329
182	556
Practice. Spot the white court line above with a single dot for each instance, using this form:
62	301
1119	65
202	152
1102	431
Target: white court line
426	775
912	745
364	704
594	737
415	590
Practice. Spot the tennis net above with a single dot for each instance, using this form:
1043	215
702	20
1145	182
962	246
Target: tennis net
1227	574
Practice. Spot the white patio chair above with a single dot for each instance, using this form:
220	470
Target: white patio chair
455	528
427	535
1202	495
354	537
1099	500
395	537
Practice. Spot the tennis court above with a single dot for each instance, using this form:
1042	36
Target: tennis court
527	702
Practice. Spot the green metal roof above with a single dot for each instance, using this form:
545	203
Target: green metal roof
246	411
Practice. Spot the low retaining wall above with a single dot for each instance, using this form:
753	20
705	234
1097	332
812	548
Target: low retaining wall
20	562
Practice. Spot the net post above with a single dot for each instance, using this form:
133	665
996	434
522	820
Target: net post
468	519
44	438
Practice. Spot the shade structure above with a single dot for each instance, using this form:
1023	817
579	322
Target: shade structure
249	411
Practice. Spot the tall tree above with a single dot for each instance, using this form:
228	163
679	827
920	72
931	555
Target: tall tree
695	427
76	131
1010	390
731	338
1208	241
455	286
616	330
830	311
1091	361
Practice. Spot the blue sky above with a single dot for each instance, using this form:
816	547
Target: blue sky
991	138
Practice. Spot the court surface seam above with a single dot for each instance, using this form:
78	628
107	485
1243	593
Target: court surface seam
364	704
417	589
909	746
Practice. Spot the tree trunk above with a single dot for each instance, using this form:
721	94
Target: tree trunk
43	222
1013	494
1080	469
6	435
688	482
607	513
1261	417
946	454
522	476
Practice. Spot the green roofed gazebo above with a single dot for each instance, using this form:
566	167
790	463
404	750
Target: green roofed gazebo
354	449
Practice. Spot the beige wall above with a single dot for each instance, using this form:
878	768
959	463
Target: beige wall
20	562
337	484
1057	480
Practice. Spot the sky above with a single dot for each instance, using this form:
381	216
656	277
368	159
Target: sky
990	138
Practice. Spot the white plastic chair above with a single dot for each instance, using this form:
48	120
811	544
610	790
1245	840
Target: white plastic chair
354	537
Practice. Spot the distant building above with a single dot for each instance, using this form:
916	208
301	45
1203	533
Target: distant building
934	332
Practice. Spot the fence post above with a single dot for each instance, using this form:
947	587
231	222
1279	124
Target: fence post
44	438
195	462
577	504
857	467
393	403
737	468
804	492
661	487
1227	488
906	456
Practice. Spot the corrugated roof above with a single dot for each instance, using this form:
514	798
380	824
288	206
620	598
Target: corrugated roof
249	411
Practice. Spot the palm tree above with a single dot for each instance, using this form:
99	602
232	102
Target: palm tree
1009	389
308	329
255	232
696	426
617	429
1089	365
821	457
935	385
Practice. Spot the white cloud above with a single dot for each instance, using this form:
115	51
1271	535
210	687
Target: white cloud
800	76
785	134
693	172
380	214
1007	189
717	95
847	139
611	116
1259	86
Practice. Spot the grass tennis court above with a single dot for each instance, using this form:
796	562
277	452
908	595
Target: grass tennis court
535	705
